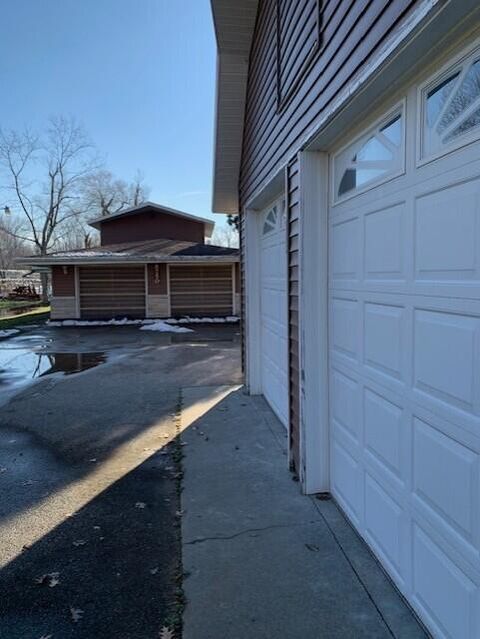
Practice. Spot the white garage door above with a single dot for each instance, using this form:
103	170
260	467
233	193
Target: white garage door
273	308
405	351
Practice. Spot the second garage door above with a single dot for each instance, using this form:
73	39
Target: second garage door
273	306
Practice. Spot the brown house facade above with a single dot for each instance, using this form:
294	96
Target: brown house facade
348	141
152	262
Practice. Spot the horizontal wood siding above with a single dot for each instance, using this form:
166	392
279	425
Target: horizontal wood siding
112	291
293	219
63	281
350	32
201	291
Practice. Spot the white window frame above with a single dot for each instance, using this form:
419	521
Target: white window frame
398	109
454	64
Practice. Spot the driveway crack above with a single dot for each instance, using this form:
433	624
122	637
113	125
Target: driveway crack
201	540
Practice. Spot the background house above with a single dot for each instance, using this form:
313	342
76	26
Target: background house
348	140
152	262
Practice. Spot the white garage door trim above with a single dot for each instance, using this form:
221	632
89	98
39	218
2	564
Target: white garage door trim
404	282
274	308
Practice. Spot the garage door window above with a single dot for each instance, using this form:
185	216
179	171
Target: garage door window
451	108
374	157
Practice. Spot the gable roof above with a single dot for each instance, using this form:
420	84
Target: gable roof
133	210
234	23
158	250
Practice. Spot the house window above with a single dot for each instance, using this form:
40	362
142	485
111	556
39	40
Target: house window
373	157
451	108
298	42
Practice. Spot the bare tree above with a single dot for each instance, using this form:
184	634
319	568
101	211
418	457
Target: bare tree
44	176
10	244
225	236
104	194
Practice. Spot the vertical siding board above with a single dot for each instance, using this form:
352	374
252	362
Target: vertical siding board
352	31
292	204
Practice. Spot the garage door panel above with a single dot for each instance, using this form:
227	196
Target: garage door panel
446	233
385	255
385	339
452	497
386	527
452	606
345	323
446	358
345	240
385	431
347	480
345	403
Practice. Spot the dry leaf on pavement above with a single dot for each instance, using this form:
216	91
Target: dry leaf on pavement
49	579
166	633
77	614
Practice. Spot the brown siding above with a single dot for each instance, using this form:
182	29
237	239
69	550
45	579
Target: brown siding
201	291
293	220
157	279
112	291
63	282
350	32
151	225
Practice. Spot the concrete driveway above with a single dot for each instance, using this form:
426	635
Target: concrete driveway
90	475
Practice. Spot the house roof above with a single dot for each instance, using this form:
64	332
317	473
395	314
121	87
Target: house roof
138	252
98	221
234	23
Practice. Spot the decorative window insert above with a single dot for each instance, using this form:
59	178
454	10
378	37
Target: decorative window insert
451	108
376	156
298	42
274	218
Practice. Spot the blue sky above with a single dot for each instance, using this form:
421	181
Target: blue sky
138	74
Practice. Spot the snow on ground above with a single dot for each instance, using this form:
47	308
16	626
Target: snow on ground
231	319
112	322
6	332
163	327
148	322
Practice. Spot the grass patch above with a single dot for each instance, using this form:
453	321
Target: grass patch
30	317
8	304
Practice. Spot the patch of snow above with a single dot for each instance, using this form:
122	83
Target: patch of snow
231	319
6	332
163	327
112	322
169	324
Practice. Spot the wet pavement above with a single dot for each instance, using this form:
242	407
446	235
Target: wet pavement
89	475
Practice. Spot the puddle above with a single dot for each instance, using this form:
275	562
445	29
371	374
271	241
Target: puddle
20	365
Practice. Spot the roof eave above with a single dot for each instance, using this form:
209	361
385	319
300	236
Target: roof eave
150	259
234	26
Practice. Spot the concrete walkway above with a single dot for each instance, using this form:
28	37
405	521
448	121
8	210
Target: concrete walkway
263	561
